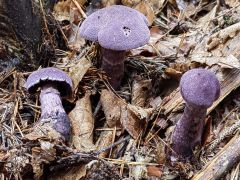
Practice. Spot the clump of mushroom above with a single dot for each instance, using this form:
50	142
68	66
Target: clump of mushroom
117	29
199	88
54	84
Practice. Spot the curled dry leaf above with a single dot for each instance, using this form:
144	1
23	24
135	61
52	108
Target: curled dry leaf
78	70
82	122
140	91
132	118
112	109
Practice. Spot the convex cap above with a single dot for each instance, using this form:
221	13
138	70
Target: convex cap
116	27
50	75
200	87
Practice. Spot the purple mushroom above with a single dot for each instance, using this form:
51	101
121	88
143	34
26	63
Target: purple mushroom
54	83
116	28
199	88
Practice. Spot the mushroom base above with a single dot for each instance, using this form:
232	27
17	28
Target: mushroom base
52	108
188	131
113	65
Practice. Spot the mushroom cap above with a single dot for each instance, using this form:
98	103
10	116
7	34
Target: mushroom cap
116	27
200	87
51	75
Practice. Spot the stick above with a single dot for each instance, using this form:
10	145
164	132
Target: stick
222	162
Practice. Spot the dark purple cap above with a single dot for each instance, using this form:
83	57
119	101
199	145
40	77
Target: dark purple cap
50	75
200	87
116	27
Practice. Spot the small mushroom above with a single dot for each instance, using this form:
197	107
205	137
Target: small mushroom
199	88
116	28
54	84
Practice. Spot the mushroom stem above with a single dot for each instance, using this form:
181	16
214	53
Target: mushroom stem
188	131
113	65
50	101
51	106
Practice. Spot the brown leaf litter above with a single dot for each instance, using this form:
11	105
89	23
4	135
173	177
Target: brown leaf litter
123	134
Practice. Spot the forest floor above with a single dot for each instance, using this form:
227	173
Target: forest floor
124	134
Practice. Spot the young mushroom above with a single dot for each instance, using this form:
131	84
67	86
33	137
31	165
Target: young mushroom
116	28
54	84
199	88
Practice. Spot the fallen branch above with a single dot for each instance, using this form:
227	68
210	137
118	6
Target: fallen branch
222	162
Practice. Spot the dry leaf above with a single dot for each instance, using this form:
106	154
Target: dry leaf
232	3
105	139
75	41
155	102
140	171
208	132
112	108
66	10
106	3
75	173
157	5
222	36
116	110
140	91
146	8
205	21
173	73
154	171
224	62
134	119
78	70
161	151
82	122
130	3
156	35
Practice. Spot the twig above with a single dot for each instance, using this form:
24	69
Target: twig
112	145
79	8
222	162
45	22
227	132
